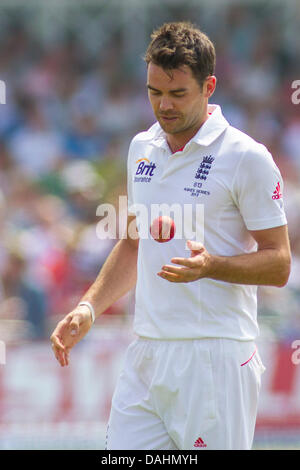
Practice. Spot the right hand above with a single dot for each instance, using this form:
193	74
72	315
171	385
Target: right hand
69	331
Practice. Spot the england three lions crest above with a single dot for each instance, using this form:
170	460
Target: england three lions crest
205	166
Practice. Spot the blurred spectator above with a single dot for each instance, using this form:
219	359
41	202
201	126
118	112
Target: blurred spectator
291	140
85	139
22	299
36	147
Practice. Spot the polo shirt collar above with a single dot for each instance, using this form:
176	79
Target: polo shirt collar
212	128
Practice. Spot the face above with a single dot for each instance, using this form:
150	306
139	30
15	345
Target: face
178	102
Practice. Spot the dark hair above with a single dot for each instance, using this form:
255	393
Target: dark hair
181	43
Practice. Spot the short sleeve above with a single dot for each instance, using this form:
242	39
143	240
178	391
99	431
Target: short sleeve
130	201
258	190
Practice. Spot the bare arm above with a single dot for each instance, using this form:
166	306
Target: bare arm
116	278
269	265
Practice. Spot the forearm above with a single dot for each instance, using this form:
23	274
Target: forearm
264	267
116	278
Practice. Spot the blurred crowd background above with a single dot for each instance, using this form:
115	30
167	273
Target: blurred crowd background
75	97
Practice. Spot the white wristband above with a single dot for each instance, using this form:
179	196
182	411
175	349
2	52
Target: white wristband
89	305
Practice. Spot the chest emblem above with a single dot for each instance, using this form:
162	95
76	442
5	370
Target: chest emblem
200	177
205	166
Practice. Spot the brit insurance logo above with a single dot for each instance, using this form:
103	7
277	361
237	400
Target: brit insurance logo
201	176
144	171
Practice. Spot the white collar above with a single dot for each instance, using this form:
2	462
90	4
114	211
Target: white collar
212	128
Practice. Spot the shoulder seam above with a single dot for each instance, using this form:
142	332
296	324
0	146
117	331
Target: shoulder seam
236	171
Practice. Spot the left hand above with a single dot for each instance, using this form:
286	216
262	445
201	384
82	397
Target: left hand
195	267
69	331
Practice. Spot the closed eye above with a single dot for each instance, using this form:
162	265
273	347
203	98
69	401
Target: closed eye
153	92
178	94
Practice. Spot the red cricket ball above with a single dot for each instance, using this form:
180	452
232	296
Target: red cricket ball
163	229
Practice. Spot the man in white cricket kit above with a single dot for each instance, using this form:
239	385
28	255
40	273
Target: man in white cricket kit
191	380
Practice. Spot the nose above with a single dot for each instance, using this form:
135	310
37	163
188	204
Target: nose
165	104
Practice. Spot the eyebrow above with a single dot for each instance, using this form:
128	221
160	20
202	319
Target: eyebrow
177	90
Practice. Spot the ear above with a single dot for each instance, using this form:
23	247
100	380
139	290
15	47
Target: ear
209	86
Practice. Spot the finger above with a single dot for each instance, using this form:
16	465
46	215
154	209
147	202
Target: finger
56	341
174	269
169	276
195	246
56	335
187	275
61	359
67	358
59	355
188	262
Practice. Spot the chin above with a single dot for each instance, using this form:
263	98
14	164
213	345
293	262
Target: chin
169	129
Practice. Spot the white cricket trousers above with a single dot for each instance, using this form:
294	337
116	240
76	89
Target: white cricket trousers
186	394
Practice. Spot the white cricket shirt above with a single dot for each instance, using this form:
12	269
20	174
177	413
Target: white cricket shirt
233	181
